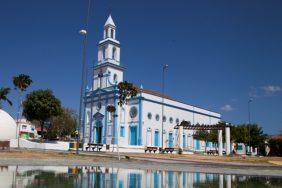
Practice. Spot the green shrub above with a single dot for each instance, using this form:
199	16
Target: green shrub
275	147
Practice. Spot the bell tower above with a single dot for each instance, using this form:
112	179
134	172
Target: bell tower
109	47
108	71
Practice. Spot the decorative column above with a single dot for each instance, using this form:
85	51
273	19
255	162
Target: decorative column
227	140
221	178
139	131
180	144
228	181
220	142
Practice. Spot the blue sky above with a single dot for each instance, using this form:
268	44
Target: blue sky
219	53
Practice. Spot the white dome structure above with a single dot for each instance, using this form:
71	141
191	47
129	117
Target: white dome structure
8	126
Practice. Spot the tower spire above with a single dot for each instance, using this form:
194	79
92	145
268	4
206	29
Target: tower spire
110	22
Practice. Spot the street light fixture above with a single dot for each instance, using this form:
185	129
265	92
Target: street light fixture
82	87
165	67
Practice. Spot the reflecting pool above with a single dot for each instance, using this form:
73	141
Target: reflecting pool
54	176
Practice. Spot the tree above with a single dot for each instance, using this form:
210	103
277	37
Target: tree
21	83
41	105
126	90
62	125
240	134
275	147
4	91
202	135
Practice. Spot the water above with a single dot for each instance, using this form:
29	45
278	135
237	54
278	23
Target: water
51	176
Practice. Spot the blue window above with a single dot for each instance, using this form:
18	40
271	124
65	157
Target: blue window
184	141
156	138
170	140
121	131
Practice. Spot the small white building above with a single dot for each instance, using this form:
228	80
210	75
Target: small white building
139	123
26	129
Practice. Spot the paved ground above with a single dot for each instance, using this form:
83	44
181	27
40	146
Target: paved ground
191	163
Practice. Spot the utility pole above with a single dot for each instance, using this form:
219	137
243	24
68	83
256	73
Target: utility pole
165	67
249	117
84	33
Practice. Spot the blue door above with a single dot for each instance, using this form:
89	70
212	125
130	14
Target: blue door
170	140
156	180
198	144
133	135
98	136
157	138
184	141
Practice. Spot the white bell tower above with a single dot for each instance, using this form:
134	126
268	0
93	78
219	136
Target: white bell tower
108	71
109	47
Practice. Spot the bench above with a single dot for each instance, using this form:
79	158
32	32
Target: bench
92	147
5	145
212	152
150	149
166	150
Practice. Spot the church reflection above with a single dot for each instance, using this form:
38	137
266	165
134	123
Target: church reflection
23	176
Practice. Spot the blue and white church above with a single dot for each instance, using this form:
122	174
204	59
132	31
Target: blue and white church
138	123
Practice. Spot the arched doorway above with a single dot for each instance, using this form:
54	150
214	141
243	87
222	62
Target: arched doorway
98	132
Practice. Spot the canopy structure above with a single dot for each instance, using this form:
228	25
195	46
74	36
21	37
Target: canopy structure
219	127
189	126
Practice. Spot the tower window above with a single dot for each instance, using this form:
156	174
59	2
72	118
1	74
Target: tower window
112	33
115	77
114	53
104	53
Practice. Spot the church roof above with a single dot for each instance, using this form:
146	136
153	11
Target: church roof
159	94
110	21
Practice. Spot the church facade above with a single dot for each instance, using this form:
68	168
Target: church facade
138	123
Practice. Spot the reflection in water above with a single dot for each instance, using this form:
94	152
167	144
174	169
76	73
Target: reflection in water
48	176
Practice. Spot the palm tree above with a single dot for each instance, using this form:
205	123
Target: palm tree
4	91
21	83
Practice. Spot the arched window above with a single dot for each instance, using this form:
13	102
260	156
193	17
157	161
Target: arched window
149	115
115	78
114	53
171	120
157	117
122	115
104	52
112	33
164	118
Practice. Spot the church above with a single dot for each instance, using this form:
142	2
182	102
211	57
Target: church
139	123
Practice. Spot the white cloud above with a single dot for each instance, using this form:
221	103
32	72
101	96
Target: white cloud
227	108
271	89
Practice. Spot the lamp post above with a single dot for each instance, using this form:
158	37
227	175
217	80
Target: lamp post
249	117
83	33
165	67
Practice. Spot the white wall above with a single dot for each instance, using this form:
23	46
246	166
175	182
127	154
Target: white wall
170	111
36	145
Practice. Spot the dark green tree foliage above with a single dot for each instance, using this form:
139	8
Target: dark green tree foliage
4	91
240	134
275	147
62	125
126	90
41	105
22	82
111	109
213	136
